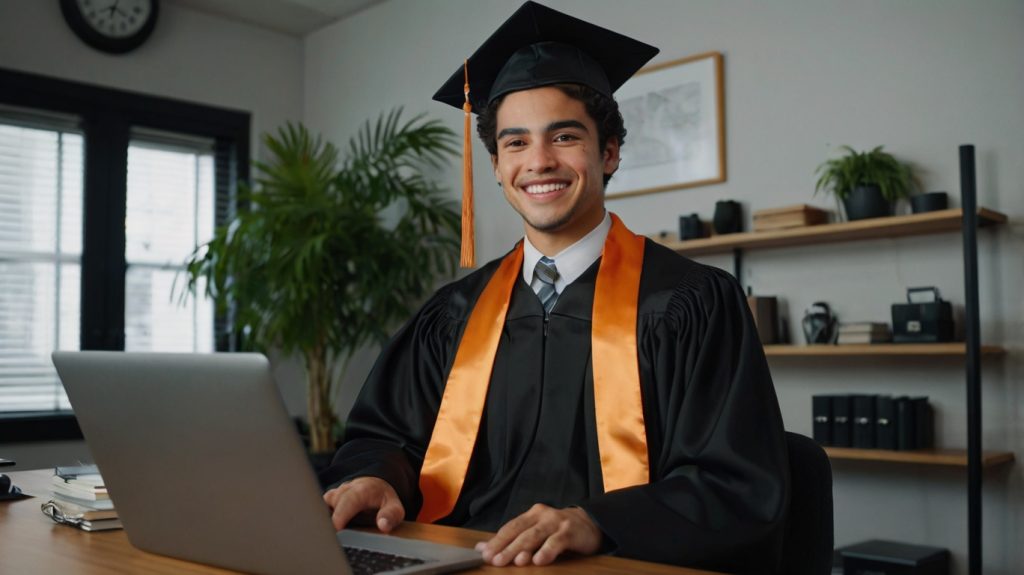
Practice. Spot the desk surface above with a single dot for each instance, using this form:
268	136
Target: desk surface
32	543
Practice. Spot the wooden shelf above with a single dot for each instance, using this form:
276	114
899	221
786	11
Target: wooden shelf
947	457
878	349
875	228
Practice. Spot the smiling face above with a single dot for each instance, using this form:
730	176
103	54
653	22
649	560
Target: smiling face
551	165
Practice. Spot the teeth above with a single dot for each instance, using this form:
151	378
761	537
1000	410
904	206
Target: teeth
545	188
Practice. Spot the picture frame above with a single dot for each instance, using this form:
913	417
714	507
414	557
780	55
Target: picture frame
674	114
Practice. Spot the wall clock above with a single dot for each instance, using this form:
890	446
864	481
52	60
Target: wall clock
114	26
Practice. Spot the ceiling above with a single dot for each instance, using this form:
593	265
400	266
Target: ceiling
292	17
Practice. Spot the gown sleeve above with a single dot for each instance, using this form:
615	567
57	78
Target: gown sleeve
719	486
389	427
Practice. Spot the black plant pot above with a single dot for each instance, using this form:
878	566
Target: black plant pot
866	202
728	217
930	202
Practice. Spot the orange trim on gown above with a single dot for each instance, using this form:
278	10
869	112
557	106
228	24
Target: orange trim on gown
621	434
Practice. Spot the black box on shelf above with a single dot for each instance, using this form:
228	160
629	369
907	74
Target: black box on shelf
925	318
842	421
885	422
924	429
879	557
821	411
863	421
906	427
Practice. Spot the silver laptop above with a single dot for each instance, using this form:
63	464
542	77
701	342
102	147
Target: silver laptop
203	463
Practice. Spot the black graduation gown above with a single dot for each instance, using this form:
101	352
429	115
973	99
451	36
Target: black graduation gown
719	473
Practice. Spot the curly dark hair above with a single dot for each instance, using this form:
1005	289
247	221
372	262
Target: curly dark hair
602	109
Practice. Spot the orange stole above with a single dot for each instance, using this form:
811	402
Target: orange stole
621	435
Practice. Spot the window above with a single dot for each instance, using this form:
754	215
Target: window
169	212
103	194
40	256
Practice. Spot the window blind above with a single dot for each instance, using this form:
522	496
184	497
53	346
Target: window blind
41	169
170	211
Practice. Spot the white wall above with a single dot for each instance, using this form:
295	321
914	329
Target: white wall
801	78
190	56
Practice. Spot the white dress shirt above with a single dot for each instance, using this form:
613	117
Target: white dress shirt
572	261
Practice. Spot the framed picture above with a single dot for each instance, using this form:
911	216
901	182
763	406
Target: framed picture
675	127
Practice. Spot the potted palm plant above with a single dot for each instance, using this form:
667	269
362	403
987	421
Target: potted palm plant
325	256
867	183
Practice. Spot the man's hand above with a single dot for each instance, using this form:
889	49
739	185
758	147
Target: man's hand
540	535
371	498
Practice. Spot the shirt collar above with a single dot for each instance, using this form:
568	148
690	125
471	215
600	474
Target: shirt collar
573	260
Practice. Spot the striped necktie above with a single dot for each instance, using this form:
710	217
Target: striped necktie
547	273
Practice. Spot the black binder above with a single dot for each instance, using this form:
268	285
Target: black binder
906	430
842	421
885	422
923	428
864	421
821	411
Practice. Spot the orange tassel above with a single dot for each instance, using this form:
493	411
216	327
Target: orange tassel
468	259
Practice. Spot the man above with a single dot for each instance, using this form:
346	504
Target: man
591	391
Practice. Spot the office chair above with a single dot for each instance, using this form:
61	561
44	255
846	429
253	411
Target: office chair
807	547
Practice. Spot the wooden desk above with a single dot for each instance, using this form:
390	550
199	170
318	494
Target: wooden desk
30	543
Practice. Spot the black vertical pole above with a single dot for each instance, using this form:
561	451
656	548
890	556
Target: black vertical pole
737	265
968	201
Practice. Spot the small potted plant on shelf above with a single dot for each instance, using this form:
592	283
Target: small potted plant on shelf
868	184
328	253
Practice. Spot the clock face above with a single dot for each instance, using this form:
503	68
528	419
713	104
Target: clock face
116	18
114	26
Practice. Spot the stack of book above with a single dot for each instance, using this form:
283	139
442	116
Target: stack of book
788	217
863	332
80	495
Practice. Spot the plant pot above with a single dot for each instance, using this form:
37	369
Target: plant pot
866	202
728	217
930	202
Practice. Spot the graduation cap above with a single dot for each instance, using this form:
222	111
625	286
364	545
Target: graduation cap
537	46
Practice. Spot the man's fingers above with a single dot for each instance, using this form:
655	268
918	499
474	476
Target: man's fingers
508	533
346	506
529	540
554	546
331	495
523	558
540	535
391	513
365	494
525	533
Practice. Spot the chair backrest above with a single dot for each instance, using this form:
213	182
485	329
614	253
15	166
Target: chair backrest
807	548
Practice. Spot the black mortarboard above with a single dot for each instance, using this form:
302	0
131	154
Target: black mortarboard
535	47
538	46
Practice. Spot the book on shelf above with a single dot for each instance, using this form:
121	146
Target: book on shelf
885	422
788	217
863	332
873	421
863	434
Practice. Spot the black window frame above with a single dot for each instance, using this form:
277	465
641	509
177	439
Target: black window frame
107	115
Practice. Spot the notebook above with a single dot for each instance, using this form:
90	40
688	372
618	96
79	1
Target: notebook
203	463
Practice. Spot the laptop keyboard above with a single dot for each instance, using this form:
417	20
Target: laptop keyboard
366	562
